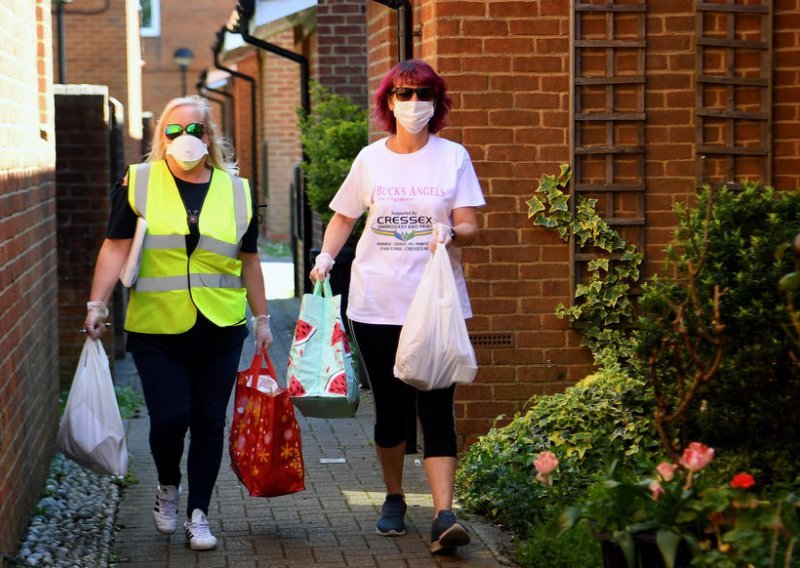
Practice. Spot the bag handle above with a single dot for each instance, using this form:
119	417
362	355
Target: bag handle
323	288
255	365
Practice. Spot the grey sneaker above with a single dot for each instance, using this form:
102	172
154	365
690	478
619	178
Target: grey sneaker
447	533
165	512
198	535
393	511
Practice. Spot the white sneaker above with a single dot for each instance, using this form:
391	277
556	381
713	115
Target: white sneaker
198	535
165	513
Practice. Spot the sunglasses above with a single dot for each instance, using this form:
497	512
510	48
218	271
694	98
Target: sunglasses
405	93
172	131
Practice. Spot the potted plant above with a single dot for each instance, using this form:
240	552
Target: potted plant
676	516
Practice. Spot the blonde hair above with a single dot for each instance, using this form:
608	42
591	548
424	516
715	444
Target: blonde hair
220	153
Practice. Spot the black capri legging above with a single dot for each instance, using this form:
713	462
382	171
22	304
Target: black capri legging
377	345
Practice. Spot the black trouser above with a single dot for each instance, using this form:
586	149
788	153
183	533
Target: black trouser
188	392
377	346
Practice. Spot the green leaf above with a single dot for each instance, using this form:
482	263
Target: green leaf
625	541
790	282
534	206
668	542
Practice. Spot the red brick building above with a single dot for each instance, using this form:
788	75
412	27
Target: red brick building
646	100
28	281
330	36
101	47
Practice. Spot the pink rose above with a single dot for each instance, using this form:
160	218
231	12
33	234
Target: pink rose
545	462
656	489
697	456
666	470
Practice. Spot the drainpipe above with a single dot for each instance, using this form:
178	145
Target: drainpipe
405	41
62	43
202	87
217	47
246	9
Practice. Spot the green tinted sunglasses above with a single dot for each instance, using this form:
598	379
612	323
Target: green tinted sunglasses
195	129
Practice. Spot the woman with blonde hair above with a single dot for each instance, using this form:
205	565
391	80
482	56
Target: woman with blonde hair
186	314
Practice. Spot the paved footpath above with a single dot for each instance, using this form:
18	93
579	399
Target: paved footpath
329	524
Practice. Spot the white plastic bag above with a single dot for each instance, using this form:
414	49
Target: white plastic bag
91	432
434	350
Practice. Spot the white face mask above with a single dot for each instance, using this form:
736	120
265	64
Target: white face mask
413	115
187	150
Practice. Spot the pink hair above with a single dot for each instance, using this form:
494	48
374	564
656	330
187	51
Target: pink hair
413	72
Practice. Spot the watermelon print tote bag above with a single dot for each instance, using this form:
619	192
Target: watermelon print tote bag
320	377
265	446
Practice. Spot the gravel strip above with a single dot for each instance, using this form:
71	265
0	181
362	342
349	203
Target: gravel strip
72	525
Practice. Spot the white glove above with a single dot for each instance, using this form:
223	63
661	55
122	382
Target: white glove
95	322
263	332
443	234
322	267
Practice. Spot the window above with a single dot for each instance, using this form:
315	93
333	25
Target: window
151	17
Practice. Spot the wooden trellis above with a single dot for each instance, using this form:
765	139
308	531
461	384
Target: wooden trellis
734	91
608	126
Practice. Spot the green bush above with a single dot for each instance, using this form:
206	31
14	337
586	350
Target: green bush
748	410
333	134
545	546
603	416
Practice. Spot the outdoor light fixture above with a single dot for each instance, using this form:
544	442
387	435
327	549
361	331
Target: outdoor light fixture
183	57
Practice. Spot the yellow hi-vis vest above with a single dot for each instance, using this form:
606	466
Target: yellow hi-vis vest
171	285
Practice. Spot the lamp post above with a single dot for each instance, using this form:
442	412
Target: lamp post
183	57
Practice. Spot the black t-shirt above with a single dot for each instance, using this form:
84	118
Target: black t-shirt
205	336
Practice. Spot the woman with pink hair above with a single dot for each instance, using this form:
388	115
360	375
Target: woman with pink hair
420	191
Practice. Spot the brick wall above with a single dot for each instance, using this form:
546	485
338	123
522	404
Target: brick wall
245	121
341	48
786	95
507	65
281	92
670	130
102	48
83	179
28	304
507	69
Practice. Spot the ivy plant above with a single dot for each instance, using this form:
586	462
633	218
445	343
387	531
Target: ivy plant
604	415
602	303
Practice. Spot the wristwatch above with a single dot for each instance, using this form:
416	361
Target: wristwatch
452	234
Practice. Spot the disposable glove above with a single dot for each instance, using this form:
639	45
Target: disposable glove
95	322
263	332
322	267
443	234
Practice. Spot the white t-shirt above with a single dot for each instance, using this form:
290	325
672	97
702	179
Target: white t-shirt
405	194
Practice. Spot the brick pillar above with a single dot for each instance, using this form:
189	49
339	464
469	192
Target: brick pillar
342	48
83	181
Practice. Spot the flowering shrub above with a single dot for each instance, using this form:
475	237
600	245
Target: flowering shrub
721	525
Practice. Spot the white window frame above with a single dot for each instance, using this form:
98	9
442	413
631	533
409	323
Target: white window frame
154	29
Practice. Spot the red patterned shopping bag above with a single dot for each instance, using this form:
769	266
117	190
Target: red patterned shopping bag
266	453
